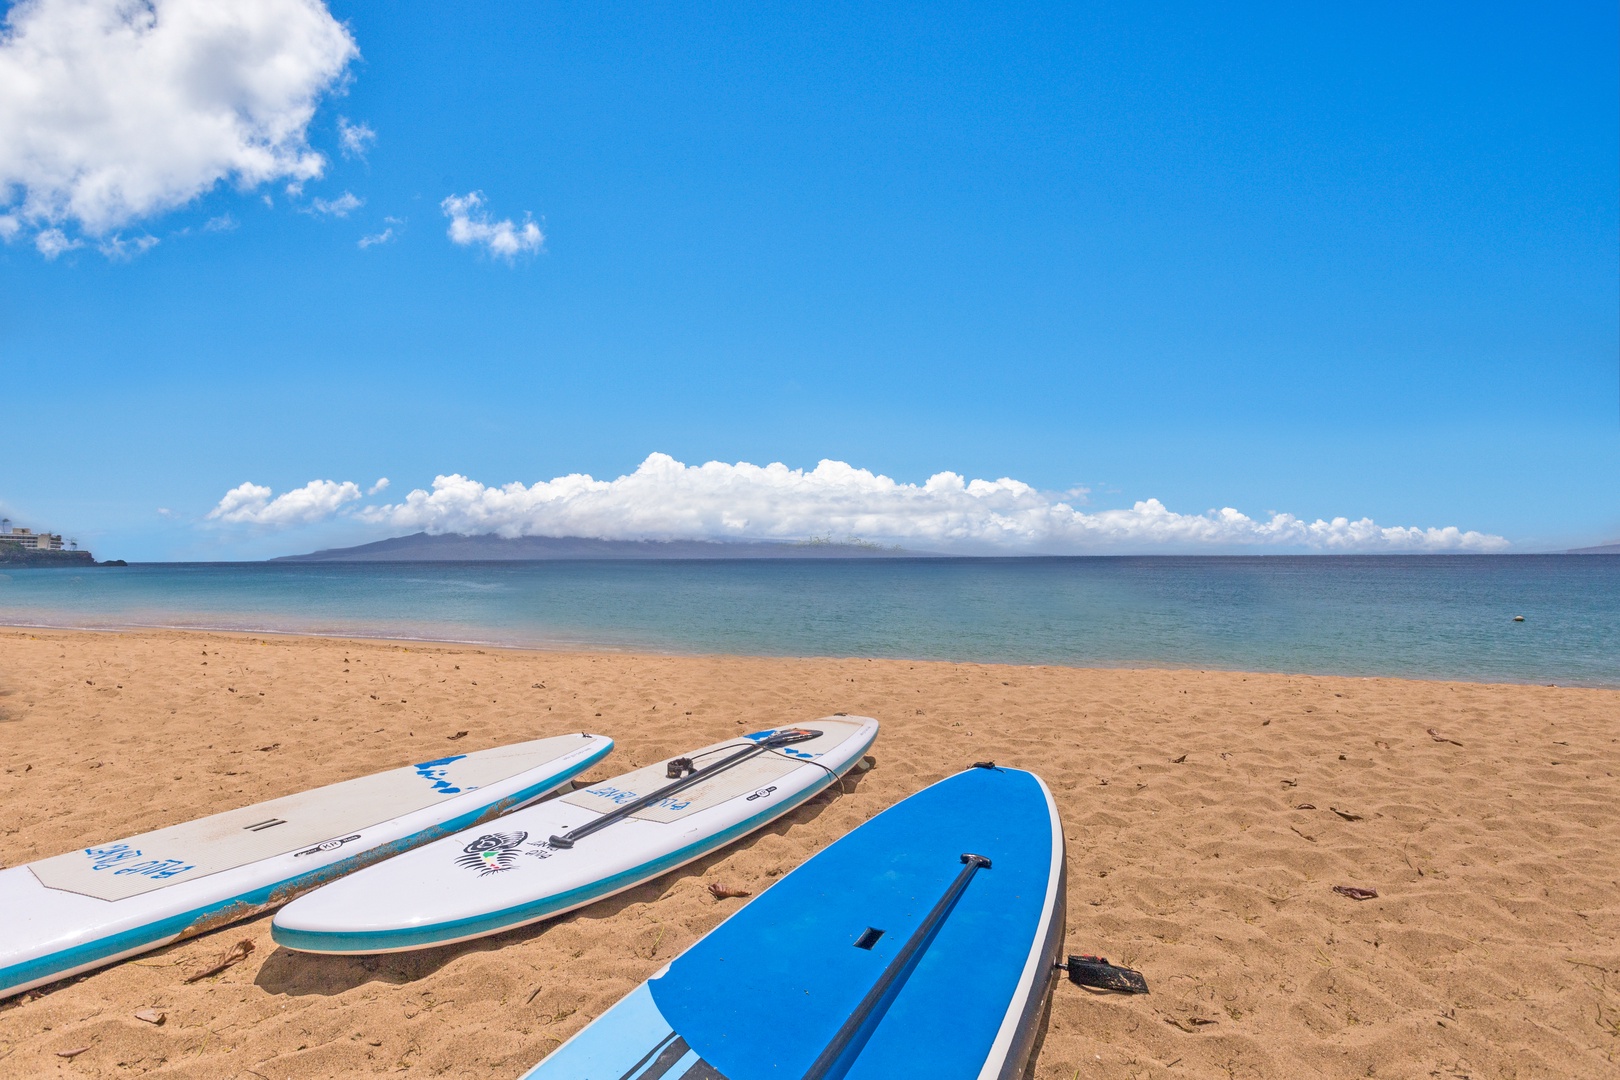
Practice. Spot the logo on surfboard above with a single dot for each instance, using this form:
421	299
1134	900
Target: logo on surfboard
492	852
327	845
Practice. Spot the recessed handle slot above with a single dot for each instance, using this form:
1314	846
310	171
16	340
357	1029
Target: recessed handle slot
868	938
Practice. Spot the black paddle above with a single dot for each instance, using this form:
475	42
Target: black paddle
851	1037
785	737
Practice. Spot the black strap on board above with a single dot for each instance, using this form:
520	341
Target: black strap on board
847	1042
777	739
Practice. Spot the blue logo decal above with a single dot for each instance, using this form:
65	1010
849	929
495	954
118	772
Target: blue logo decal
620	796
432	770
105	858
756	736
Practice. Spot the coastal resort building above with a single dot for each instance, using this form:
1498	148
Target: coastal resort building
27	539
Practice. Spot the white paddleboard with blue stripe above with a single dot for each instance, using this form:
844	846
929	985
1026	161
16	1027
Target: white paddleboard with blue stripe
923	943
99	904
571	851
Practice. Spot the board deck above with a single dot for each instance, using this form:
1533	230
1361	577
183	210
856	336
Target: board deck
769	990
225	841
76	911
485	881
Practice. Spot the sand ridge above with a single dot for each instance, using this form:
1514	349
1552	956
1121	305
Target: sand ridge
1208	816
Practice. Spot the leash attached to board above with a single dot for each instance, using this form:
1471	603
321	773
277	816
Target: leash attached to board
776	740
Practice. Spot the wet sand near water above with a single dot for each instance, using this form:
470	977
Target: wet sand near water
1209	816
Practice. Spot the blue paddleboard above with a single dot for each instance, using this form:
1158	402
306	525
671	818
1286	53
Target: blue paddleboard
923	943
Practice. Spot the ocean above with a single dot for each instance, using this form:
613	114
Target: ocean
1432	617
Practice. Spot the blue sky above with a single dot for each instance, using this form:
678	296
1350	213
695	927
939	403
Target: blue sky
1359	263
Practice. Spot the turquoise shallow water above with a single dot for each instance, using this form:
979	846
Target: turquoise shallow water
1445	617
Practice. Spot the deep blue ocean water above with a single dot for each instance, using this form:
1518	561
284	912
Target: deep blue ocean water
1448	617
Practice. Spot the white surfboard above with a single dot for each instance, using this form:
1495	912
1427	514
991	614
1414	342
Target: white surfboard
90	907
568	852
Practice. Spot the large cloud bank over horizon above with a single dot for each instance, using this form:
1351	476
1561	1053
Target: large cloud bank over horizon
252	504
667	500
117	110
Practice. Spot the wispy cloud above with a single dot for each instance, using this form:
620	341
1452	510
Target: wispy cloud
665	499
354	139
222	223
342	206
252	504
470	226
387	236
120	250
117	110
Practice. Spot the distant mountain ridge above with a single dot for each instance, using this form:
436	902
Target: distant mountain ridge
1601	549
422	547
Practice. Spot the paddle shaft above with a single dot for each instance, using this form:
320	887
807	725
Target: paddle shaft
772	742
834	1061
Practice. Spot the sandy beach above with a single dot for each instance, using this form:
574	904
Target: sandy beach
1209	817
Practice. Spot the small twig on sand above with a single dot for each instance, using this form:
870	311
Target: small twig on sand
1356	892
229	958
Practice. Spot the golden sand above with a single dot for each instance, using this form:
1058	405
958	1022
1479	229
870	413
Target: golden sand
1209	817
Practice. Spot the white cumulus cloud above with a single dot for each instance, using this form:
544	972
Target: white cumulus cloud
118	110
251	504
470	226
53	242
665	499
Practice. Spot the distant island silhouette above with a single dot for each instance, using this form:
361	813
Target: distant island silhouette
12	555
453	547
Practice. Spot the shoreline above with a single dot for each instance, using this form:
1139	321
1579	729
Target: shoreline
585	647
1208	816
